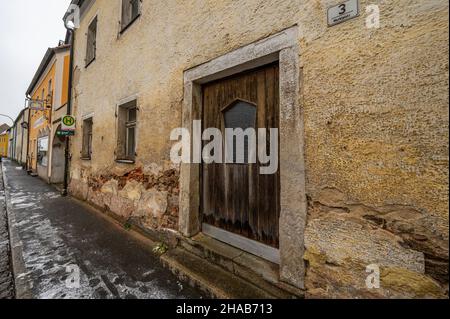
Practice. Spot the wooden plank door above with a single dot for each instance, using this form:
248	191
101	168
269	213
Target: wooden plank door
236	197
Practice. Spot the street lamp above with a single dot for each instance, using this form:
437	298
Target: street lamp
9	117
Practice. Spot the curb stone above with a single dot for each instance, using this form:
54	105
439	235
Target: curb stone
22	283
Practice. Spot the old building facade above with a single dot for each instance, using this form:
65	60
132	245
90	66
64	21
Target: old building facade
48	94
362	114
4	142
20	138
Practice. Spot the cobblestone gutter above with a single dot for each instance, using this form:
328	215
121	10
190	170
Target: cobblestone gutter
6	277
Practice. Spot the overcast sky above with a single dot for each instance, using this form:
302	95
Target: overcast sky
27	29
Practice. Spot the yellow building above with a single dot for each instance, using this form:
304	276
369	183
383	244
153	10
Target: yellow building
48	95
4	139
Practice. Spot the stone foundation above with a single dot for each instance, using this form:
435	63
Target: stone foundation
343	237
147	196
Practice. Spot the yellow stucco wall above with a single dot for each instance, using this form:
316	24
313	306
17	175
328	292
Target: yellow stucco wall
65	80
4	142
40	120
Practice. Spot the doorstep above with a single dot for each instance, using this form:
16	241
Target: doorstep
221	268
211	279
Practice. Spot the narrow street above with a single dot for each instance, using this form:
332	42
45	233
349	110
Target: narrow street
61	238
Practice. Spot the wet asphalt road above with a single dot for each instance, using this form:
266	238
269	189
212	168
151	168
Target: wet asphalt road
61	236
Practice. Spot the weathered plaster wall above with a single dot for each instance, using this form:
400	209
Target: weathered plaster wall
376	118
375	103
22	135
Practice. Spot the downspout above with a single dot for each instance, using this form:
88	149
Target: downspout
28	136
23	136
69	111
13	152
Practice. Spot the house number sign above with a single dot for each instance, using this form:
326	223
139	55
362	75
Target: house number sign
343	12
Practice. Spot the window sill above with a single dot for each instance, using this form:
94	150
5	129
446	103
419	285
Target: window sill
89	63
125	161
125	28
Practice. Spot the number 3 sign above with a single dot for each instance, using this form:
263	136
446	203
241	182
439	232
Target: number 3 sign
343	12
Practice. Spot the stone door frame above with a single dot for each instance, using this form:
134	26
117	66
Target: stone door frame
284	48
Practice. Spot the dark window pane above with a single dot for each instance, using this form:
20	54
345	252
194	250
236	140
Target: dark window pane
131	145
134	8
90	145
132	115
87	139
130	10
91	41
126	143
240	115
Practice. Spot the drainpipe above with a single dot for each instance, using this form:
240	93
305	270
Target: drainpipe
23	136
28	137
69	111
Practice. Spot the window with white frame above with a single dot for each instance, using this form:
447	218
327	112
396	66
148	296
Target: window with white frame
91	49
42	151
131	9
86	150
127	124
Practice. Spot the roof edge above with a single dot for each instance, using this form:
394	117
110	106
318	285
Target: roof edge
44	63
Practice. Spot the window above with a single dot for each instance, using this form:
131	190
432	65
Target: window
42	155
239	115
50	92
86	151
91	42
126	144
131	10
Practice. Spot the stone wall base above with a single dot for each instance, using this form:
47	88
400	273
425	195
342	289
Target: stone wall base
345	240
143	197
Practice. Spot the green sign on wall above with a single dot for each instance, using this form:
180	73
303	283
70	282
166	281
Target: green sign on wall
65	133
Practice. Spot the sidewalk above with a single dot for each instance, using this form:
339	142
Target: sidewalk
6	278
59	236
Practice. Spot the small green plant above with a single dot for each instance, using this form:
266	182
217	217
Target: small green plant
127	226
161	249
